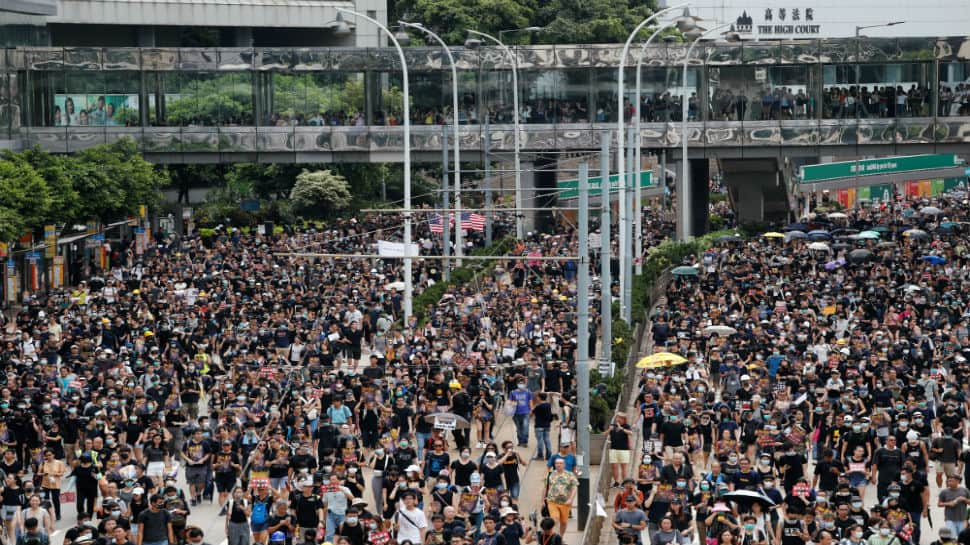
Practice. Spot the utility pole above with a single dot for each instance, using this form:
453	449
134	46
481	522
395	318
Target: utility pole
445	218
582	349
632	178
488	186
606	274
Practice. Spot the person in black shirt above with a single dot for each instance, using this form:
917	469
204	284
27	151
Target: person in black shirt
308	508
351	528
827	472
542	418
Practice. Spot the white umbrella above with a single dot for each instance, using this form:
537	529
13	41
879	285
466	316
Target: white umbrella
399	285
837	216
721	330
820	246
930	211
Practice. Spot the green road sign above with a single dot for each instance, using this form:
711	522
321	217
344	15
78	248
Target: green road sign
569	189
870	167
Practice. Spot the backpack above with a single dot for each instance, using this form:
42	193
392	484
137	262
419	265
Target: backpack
260	512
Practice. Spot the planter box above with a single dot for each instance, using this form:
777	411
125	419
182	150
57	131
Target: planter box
597	443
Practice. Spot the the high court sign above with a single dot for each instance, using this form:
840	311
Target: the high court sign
795	19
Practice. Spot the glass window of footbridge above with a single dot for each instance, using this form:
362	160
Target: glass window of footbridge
555	96
879	90
661	93
312	99
762	93
199	99
84	98
954	89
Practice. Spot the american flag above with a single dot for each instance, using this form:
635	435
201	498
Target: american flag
437	226
471	221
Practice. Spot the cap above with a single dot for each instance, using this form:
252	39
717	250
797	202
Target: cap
358	501
475	478
946	533
413	468
138	491
745	377
506	511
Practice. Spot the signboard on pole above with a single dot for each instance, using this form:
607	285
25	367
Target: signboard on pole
871	167
139	241
569	189
11	291
50	241
57	272
143	211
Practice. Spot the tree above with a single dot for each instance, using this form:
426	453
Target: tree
113	180
58	172
320	193
592	21
24	197
450	18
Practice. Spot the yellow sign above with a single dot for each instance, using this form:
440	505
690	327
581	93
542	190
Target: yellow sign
57	272
829	310
50	241
143	211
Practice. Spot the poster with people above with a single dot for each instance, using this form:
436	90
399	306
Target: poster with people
95	110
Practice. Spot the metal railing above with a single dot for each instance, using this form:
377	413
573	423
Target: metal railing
596	524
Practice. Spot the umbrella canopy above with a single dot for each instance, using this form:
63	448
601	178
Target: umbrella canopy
399	286
660	359
747	497
934	259
950	224
795	235
721	330
881	229
728	238
447	421
930	211
868	235
773	234
835	264
684	270
916	234
840	246
858	256
819	234
796	227
820	246
886	244
837	216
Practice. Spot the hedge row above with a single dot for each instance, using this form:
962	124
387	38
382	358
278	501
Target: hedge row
462	275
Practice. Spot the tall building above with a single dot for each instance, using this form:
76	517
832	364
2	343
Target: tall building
187	23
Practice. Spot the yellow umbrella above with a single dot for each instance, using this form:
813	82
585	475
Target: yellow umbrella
660	359
773	234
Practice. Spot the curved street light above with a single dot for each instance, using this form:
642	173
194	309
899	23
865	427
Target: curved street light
625	228
472	43
406	113
683	194
454	112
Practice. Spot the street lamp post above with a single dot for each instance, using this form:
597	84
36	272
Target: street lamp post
858	29
456	132
519	228
406	113
623	227
638	192
683	191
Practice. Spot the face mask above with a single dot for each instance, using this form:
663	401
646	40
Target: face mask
884	531
522	386
905	478
765	461
351	520
373	526
857	535
705	486
402	485
441	486
379	452
894	494
749	527
116	513
857	505
733	459
647	460
769	484
504	503
856	428
465	455
821	499
681	484
828	525
352	470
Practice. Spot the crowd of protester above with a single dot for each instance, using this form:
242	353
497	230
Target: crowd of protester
825	393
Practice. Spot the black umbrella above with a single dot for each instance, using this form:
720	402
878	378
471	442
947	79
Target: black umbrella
858	256
747	497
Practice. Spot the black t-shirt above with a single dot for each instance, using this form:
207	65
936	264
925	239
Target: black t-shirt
463	471
542	415
888	464
491	477
619	440
673	433
910	496
306	510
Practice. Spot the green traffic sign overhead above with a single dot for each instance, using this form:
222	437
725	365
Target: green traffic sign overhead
569	189
871	167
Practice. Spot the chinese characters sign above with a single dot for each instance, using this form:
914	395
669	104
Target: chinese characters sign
785	21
